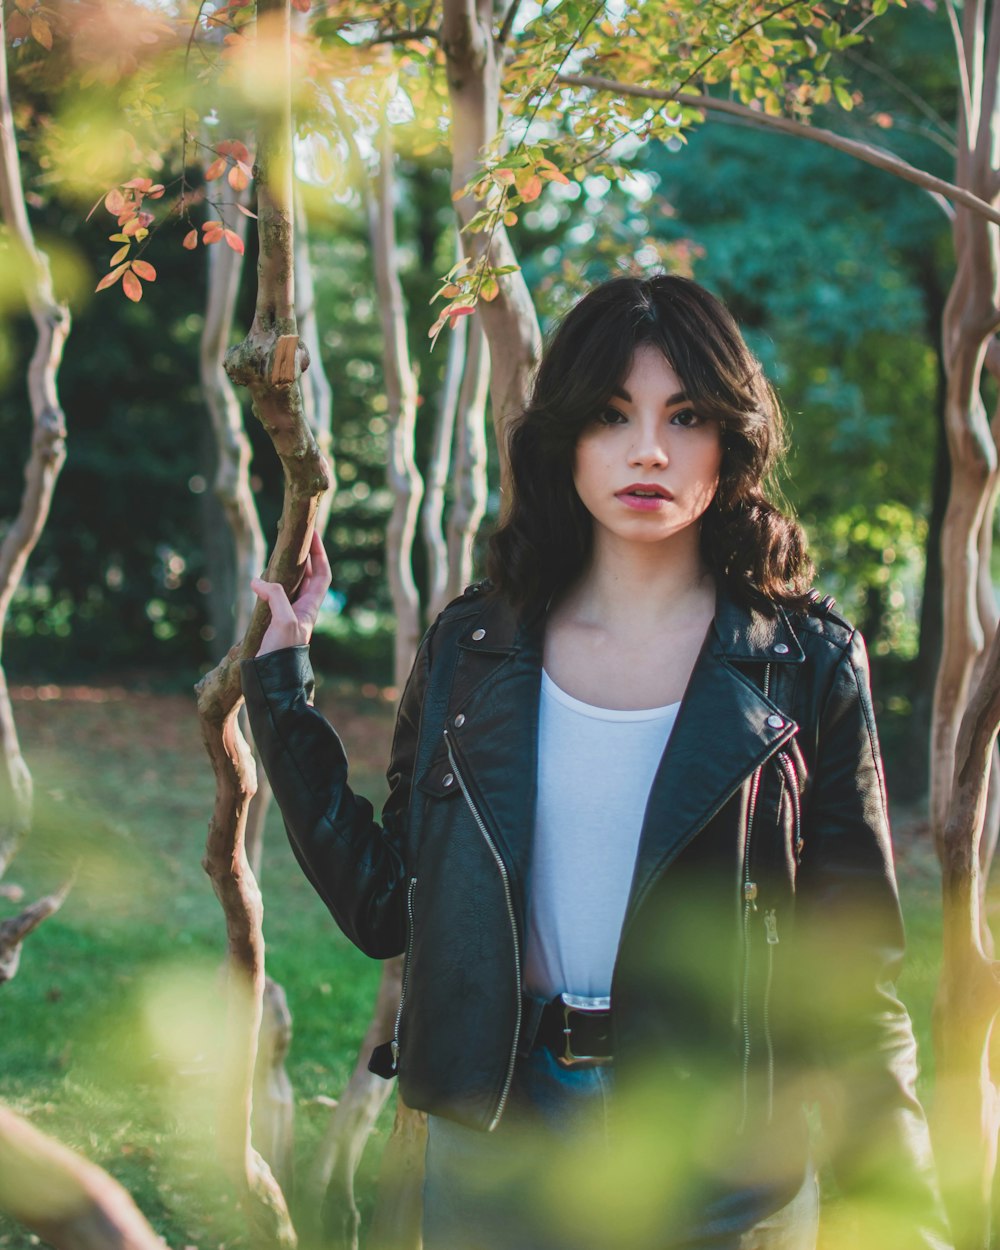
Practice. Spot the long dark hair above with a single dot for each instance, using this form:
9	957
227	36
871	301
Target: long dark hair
544	542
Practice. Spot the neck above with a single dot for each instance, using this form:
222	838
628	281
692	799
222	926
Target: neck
630	587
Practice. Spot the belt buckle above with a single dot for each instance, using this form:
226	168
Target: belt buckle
583	1005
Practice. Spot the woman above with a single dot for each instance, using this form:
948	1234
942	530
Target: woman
636	814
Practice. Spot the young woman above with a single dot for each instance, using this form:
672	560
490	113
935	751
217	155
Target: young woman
635	848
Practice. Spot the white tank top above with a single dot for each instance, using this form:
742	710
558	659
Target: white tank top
595	768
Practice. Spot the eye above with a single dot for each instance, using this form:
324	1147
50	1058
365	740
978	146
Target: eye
688	418
610	416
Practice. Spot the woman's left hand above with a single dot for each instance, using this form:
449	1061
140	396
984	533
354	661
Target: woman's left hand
292	621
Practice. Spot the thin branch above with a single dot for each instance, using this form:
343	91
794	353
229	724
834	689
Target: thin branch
14	931
404	36
508	22
881	158
963	68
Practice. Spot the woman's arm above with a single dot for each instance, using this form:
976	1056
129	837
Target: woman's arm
851	942
355	864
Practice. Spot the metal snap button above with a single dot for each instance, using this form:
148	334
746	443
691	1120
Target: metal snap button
775	722
460	720
478	635
448	779
781	648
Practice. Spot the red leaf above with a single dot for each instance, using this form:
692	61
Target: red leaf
111	278
144	270
191	240
18	26
216	169
156	191
532	189
139	184
301	5
41	32
132	287
246	212
234	240
238	179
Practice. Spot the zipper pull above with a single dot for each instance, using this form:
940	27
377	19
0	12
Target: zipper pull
771	927
394	1049
750	893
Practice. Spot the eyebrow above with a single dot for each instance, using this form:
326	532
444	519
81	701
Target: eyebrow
669	402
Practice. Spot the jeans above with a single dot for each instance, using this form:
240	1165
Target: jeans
545	1180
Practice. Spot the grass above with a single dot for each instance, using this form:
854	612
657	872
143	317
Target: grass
108	1033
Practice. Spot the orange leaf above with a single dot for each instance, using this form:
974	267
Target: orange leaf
156	191
532	189
118	238
144	270
120	255
132	226
139	184
114	201
216	169
510	219
551	174
450	291
240	151
238	179
234	240
132	287
25	6
301	5
18	26
111	278
505	177
211	236
41	32
211	225
191	240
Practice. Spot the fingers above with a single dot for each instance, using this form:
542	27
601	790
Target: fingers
273	594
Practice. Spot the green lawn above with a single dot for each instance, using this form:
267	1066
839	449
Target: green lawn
108	1033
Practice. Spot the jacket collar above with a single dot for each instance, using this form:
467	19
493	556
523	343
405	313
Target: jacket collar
725	729
742	632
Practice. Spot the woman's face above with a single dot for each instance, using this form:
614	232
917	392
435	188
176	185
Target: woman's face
648	467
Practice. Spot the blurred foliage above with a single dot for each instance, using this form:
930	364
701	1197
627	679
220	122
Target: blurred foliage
836	271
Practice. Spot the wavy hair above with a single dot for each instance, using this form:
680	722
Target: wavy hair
544	542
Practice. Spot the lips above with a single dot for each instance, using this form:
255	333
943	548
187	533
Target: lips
644	490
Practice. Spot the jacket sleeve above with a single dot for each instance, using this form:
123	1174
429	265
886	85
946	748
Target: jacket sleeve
356	865
874	1130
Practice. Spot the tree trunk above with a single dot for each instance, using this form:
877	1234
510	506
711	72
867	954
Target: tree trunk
439	467
67	1201
469	474
474	63
48	452
967	1105
269	362
329	1197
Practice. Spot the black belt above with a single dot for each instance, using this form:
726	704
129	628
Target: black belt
577	1030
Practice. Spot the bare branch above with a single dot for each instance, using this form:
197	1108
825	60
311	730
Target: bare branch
404	36
70	1203
508	22
14	931
907	92
880	158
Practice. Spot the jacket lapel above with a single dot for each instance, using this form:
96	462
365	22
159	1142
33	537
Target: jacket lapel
726	727
492	726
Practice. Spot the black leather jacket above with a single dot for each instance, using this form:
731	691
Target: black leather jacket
762	930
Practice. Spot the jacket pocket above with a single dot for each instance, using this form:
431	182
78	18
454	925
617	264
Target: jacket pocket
439	780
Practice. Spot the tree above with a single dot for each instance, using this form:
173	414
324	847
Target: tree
48	452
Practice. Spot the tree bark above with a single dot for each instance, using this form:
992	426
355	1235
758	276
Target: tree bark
48	453
329	1196
401	394
469	474
967	694
269	363
67	1201
473	63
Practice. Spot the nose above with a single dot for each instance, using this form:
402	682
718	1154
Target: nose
648	449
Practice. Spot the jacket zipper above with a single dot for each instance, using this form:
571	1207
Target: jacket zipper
406	970
749	905
788	770
505	879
